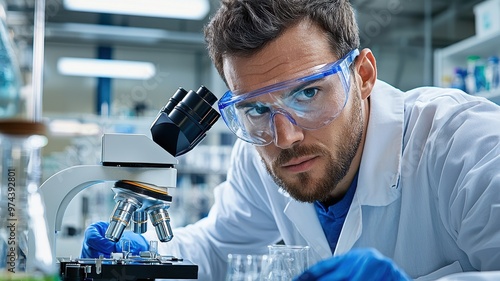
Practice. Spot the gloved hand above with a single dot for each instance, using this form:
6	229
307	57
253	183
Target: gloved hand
356	265
95	244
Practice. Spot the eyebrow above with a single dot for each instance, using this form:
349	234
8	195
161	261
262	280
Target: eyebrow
246	104
305	84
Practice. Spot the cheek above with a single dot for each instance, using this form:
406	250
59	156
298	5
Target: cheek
331	134
338	130
265	153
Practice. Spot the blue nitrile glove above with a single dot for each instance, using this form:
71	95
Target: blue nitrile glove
95	244
356	265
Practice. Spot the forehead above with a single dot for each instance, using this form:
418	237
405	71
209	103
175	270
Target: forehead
289	56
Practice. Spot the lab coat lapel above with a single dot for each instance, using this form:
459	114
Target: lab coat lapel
351	229
305	219
380	168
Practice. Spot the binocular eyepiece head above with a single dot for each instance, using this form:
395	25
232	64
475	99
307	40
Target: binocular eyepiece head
184	120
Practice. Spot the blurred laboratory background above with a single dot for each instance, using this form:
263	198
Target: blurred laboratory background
451	43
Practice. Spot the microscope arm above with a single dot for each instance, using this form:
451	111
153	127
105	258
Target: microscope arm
62	187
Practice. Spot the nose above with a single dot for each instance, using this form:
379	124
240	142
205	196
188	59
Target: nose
286	134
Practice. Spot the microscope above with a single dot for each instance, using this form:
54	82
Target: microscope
142	170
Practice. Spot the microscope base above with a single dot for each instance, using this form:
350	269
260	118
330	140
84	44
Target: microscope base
135	269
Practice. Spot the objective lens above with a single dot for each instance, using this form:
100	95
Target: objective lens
120	219
161	221
139	222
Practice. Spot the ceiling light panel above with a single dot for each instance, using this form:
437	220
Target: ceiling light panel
181	9
106	68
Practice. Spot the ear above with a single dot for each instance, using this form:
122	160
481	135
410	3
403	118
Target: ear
366	72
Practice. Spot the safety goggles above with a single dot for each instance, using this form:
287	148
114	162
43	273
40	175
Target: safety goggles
309	102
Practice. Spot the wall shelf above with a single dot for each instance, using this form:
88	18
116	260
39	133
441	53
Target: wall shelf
446	59
491	95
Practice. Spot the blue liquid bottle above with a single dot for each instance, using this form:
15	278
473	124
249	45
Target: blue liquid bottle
493	73
458	81
10	77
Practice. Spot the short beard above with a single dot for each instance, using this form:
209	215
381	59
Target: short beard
336	168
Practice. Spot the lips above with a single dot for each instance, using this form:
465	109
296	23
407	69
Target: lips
299	165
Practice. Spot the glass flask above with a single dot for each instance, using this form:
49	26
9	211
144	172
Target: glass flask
11	103
285	262
241	267
25	250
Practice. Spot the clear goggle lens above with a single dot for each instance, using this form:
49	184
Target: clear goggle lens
309	102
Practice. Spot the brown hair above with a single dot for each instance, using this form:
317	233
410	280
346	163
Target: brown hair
243	27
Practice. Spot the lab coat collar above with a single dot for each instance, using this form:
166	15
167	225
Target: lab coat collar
380	168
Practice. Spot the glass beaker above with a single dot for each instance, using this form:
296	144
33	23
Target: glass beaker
25	252
285	262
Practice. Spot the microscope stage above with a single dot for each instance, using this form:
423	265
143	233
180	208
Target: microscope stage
135	268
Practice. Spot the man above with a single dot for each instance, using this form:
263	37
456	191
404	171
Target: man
335	159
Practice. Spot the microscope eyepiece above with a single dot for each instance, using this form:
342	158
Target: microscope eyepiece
174	100
184	121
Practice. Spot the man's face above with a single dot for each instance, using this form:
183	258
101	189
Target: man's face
308	164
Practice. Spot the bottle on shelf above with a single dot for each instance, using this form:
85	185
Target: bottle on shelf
470	79
480	77
493	73
458	80
475	80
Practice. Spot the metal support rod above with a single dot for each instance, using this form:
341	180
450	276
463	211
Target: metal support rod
104	85
35	112
428	43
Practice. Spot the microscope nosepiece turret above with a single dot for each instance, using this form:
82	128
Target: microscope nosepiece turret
133	201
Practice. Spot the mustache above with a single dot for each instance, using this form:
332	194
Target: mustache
290	153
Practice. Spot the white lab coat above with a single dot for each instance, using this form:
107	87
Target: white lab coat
428	193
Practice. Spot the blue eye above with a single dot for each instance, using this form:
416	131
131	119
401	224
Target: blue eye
305	94
257	110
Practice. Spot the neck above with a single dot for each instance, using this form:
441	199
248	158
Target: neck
343	186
